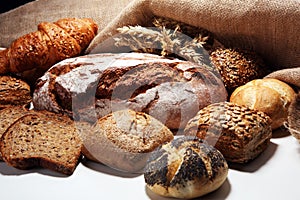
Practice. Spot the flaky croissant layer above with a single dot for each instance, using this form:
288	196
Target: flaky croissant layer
51	43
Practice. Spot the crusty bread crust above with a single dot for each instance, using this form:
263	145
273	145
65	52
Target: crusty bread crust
92	86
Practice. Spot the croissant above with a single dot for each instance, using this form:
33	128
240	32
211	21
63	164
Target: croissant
51	43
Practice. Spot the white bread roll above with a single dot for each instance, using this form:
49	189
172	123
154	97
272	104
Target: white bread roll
270	96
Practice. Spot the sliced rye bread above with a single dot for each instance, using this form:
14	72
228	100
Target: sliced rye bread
42	139
8	116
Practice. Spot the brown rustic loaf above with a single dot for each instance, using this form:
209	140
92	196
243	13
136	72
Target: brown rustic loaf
92	86
9	115
268	95
238	132
124	139
42	139
13	91
185	168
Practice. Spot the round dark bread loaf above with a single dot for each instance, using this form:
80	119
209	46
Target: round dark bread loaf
92	86
123	139
185	168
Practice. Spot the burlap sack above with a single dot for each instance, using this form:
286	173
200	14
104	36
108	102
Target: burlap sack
271	28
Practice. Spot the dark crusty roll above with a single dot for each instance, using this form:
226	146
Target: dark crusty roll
124	139
239	133
185	168
92	86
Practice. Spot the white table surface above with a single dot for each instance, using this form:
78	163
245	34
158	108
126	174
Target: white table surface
273	175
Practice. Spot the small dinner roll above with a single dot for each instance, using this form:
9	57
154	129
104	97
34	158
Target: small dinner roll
270	96
186	167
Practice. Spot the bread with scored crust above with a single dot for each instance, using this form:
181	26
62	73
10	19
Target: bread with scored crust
186	167
92	86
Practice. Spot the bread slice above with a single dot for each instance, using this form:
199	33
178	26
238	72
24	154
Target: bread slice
8	116
42	139
13	91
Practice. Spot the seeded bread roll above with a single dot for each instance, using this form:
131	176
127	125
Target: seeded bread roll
270	96
237	66
92	86
238	132
124	139
185	168
8	116
42	139
13	91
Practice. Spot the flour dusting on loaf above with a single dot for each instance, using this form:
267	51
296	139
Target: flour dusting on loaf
92	86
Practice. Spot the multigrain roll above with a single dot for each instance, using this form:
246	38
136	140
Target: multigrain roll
238	132
124	139
237	66
92	86
185	168
268	95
